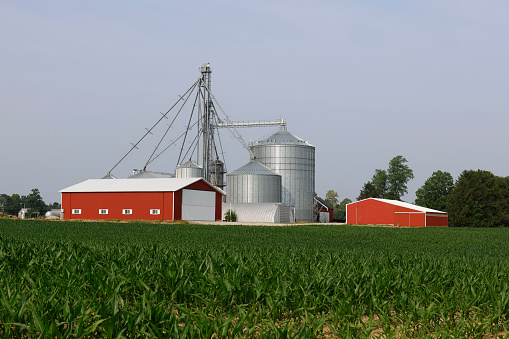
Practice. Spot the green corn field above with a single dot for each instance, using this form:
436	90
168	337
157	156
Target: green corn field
145	280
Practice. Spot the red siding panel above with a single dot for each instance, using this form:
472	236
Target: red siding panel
200	185
410	219
66	205
219	206
177	203
372	211
115	202
437	220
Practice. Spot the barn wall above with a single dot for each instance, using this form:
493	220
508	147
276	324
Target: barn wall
437	220
140	202
200	185
410	219
178	205
66	205
370	212
330	211
219	206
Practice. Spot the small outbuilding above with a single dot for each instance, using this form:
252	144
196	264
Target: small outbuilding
143	199
323	210
374	211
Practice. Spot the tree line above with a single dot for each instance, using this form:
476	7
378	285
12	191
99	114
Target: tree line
478	198
12	204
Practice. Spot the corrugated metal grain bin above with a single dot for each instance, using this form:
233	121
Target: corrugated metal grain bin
294	159
189	169
253	183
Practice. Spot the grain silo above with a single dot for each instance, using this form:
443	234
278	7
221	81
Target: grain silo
253	183
294	159
189	169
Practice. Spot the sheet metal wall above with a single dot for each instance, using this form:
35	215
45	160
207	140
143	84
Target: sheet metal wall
294	159
253	188
198	205
189	170
263	212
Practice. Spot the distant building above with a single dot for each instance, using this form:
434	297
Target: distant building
374	211
323	210
23	213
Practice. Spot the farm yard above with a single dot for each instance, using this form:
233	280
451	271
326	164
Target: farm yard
107	280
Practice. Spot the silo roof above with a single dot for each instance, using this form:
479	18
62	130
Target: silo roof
282	137
253	167
189	164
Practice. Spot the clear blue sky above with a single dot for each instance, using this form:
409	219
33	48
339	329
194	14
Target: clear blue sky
363	81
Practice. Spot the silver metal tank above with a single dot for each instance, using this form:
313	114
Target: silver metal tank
189	169
253	183
294	159
217	174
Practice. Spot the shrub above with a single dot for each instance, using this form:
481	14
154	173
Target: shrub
230	215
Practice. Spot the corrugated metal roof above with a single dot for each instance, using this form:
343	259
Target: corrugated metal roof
135	185
258	212
324	203
282	137
405	204
253	167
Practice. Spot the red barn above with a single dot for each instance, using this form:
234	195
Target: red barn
324	210
143	199
375	211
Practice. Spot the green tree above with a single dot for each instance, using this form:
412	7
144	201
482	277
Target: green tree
340	210
54	206
332	198
381	183
436	191
368	191
13	204
479	199
4	201
35	203
398	175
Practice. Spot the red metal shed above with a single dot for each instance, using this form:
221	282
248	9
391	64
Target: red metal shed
324	209
392	212
143	199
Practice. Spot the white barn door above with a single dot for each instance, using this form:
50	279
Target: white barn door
198	205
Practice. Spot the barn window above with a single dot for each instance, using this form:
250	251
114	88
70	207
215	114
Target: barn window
76	211
103	211
127	211
155	212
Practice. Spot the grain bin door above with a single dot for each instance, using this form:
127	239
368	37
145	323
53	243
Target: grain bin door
198	205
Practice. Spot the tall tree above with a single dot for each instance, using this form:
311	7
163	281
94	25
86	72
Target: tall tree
13	204
398	175
436	191
381	183
35	203
4	202
479	199
332	197
368	191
